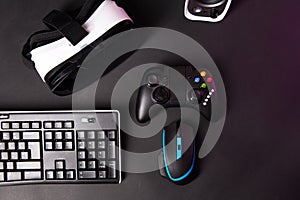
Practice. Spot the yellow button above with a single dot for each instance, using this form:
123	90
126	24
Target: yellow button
203	73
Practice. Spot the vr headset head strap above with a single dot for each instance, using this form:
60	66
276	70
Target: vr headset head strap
57	31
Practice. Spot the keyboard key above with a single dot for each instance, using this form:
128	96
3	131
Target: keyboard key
21	145
4	156
81	145
101	145
81	135
49	175
68	135
16	135
58	125
58	135
10	165
91	145
24	155
2	145
31	135
49	146
92	154
81	154
81	164
92	165
101	135
60	174
102	174
1	166
25	125
47	125
111	149
29	165
69	145
15	125
70	174
87	175
101	154
102	165
35	125
14	156
13	176
6	136
91	135
59	164
68	124
11	146
4	116
5	125
111	135
35	150
48	135
58	146
1	176
112	169
32	175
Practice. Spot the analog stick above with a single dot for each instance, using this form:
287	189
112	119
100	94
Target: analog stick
161	94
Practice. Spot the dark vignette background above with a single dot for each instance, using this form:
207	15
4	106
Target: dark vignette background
257	49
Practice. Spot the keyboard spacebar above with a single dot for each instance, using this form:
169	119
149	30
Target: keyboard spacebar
29	165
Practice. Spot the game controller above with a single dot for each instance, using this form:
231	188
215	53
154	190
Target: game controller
155	90
206	10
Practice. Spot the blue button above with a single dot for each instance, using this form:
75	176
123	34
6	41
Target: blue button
179	148
197	79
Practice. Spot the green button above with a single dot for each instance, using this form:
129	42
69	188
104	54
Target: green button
203	85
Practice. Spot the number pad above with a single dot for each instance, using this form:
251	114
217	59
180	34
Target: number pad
97	154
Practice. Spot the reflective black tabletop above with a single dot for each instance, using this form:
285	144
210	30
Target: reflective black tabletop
257	50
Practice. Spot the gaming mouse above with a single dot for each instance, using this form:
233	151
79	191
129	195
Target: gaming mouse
206	10
178	157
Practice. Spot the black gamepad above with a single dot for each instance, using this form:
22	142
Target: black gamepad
157	83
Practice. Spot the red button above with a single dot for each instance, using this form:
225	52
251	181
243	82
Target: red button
209	80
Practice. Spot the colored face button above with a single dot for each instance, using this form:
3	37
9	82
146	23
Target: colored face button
197	79
203	73
209	80
203	85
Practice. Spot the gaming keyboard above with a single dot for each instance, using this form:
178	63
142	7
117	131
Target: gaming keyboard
59	147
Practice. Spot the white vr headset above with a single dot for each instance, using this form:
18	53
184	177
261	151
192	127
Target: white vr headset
57	54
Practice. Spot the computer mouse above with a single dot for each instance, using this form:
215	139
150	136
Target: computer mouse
206	10
178	152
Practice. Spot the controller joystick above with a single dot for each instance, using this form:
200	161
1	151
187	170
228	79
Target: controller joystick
161	94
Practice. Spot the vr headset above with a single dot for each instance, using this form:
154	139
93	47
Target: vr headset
57	53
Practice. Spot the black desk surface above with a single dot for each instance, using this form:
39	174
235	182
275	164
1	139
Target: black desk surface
257	49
